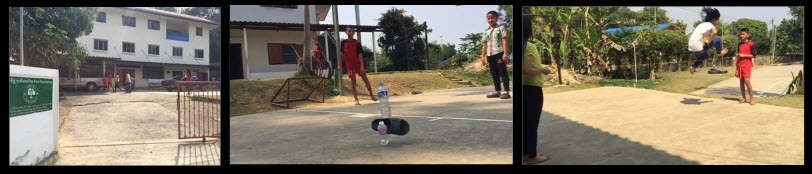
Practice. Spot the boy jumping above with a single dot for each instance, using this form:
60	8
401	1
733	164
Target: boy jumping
744	63
352	57
704	37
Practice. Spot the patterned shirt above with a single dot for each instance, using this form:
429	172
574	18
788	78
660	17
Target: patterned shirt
494	38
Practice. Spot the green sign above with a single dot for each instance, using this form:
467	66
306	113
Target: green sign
29	95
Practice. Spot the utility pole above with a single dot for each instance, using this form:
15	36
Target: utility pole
338	51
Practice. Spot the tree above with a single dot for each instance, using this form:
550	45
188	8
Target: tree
401	39
758	33
50	35
169	9
435	50
789	37
210	13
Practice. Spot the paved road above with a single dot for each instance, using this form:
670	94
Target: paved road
454	126
767	81
616	125
128	129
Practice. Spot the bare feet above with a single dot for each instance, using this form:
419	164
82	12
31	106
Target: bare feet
374	99
538	159
752	102
356	102
724	51
742	101
691	70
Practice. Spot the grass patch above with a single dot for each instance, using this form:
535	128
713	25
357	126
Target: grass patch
482	78
250	96
676	82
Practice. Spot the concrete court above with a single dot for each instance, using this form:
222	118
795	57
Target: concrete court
616	125
767	81
453	126
129	129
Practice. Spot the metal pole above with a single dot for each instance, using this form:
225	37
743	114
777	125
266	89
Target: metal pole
772	47
247	73
442	53
305	55
327	48
338	49
635	64
358	22
374	53
22	57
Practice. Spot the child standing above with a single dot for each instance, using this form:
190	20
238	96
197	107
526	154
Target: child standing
352	57
704	37
533	97
494	50
744	63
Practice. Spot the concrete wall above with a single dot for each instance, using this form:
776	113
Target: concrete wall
34	137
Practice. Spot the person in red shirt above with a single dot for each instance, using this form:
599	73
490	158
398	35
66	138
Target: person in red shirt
744	63
352	57
108	81
317	53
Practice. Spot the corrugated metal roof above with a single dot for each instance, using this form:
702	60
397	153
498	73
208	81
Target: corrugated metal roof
171	14
635	28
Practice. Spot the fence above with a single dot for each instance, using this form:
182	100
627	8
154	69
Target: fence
198	110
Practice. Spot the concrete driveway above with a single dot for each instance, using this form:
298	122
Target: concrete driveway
454	126
616	125
767	81
128	129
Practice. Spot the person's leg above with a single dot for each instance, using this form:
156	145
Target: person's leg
529	121
533	118
351	72
502	70
495	76
717	44
742	85
369	88
750	89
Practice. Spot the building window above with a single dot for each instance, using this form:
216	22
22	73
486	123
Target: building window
99	44
154	25
128	21
153	49
177	51
198	53
282	53
101	17
128	47
281	6
199	31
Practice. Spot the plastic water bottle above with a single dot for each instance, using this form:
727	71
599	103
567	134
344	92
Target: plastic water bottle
382	130
383	96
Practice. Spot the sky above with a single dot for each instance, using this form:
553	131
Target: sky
728	14
449	21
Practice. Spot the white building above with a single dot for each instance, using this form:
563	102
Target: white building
147	43
274	35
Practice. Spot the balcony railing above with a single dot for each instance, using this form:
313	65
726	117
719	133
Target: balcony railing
177	36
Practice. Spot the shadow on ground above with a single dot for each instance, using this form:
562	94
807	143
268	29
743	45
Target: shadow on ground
198	153
567	142
693	101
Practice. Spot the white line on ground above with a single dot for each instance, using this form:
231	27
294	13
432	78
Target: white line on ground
355	114
776	83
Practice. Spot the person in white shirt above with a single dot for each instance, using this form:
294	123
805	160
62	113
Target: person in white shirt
704	37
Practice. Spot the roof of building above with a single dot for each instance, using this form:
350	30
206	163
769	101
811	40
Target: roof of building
171	14
299	26
659	27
